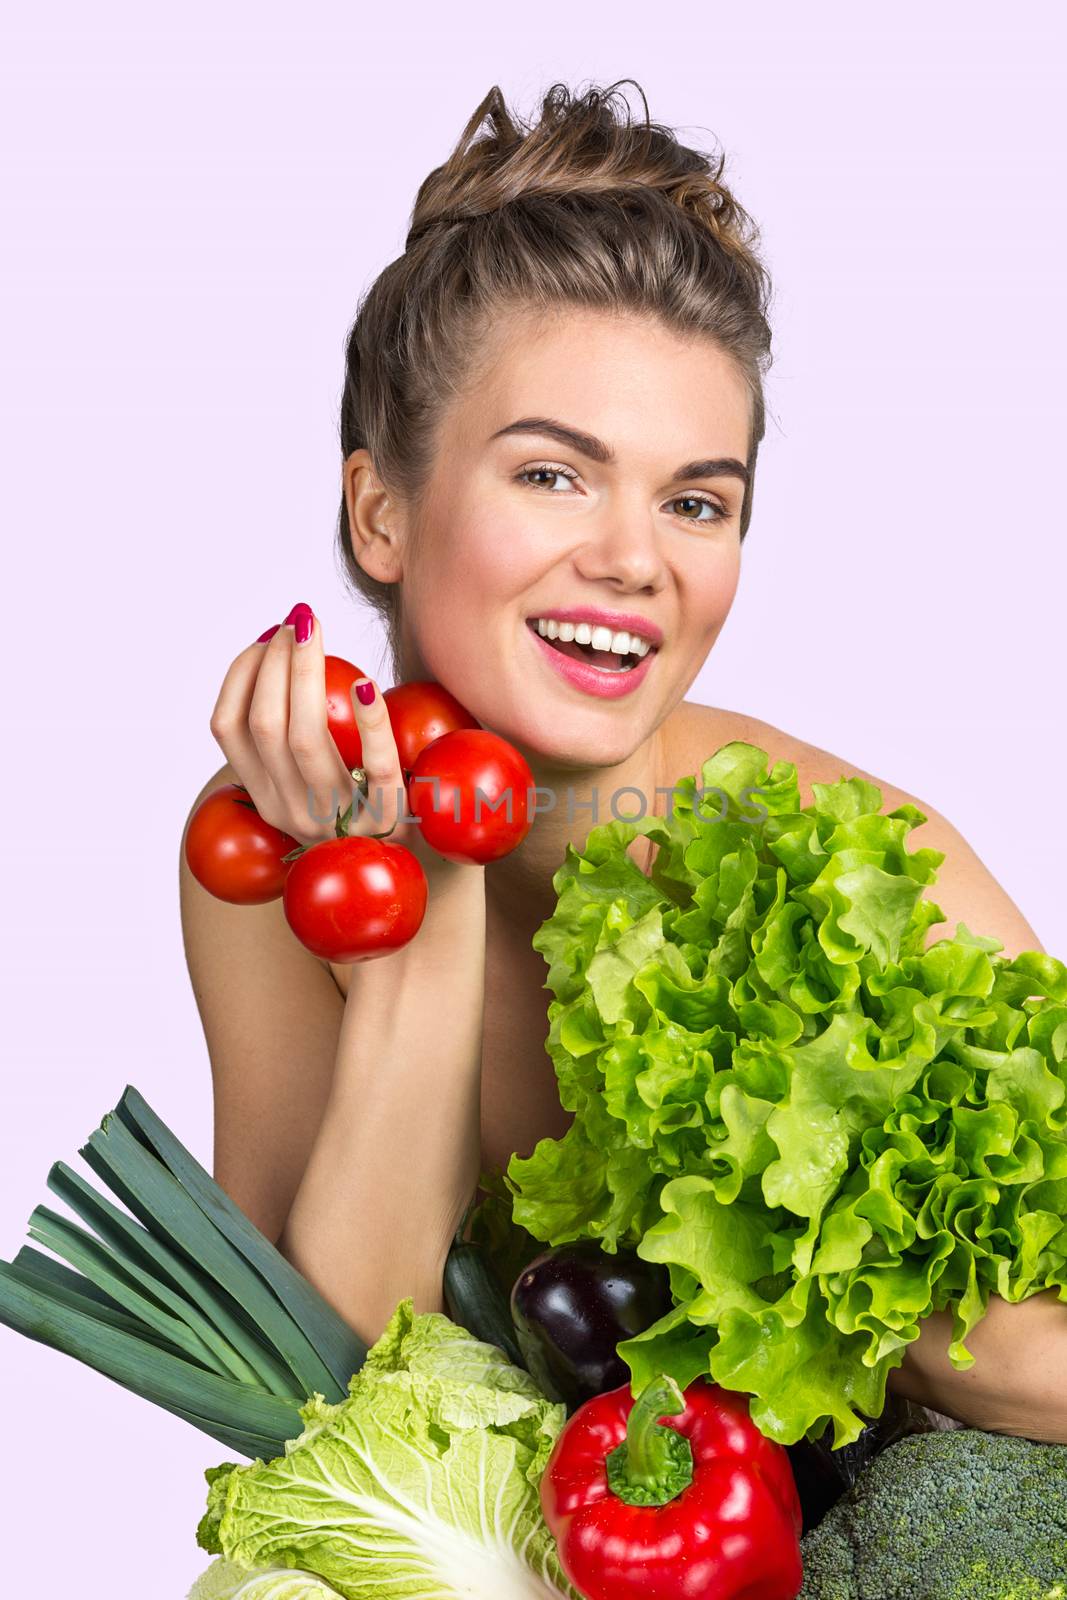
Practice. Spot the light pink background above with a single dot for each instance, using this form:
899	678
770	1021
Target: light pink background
193	200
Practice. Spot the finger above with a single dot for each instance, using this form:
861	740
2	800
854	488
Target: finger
268	726
378	812
229	725
327	782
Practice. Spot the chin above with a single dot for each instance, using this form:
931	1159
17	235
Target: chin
577	741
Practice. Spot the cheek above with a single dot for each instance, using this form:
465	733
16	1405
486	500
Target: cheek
467	587
476	557
708	592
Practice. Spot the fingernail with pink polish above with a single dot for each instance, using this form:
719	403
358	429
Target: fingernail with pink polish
365	692
303	620
269	634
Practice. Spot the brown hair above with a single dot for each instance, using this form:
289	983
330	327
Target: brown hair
587	207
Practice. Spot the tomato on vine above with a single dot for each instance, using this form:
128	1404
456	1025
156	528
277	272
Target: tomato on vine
340	716
232	852
419	713
351	899
473	793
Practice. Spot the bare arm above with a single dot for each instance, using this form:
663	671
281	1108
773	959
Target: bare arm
349	1130
397	1157
358	1120
1018	1381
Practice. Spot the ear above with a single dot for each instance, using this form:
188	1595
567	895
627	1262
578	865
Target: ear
374	520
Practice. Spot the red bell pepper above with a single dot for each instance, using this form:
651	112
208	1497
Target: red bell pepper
673	1497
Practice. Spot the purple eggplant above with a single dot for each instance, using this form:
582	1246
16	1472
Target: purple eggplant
573	1305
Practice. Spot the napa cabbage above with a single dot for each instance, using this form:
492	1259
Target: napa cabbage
422	1482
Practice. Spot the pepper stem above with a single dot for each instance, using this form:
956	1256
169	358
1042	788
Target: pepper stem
653	1464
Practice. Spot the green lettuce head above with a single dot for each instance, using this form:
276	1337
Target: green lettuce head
823	1129
424	1480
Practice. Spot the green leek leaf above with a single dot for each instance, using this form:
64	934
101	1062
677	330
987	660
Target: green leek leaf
243	1357
97	1263
257	1446
156	1375
339	1347
153	1194
56	1273
68	1294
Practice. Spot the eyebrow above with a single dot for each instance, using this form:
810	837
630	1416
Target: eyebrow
596	450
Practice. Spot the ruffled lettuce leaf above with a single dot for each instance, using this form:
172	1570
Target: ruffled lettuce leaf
823	1128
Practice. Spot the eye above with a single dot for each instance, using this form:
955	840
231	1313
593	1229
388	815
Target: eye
552	469
721	514
546	470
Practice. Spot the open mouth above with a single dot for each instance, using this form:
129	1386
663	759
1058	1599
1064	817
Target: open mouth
629	650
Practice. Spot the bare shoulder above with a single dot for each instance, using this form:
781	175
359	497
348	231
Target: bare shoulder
264	923
218	780
701	730
965	888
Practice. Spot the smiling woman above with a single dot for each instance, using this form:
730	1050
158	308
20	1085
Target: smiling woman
552	411
611	535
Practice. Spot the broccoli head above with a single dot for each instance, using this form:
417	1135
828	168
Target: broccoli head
955	1515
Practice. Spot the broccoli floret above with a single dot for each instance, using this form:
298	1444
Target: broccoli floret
955	1515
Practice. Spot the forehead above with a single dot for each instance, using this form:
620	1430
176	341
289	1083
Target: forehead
646	391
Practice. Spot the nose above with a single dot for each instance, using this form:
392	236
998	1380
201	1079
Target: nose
623	551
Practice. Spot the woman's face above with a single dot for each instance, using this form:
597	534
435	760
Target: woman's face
632	529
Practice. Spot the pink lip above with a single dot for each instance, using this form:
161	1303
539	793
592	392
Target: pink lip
593	680
617	621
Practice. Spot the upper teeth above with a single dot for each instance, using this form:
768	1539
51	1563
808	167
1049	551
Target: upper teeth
600	638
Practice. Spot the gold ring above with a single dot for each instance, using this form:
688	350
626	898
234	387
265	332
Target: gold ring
359	778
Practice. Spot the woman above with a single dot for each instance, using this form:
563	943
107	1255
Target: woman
551	416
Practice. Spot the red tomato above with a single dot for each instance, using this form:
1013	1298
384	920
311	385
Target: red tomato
419	713
340	718
475	771
355	898
232	852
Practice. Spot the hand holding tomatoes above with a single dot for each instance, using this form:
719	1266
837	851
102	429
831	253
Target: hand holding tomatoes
328	776
272	724
363	894
292	728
